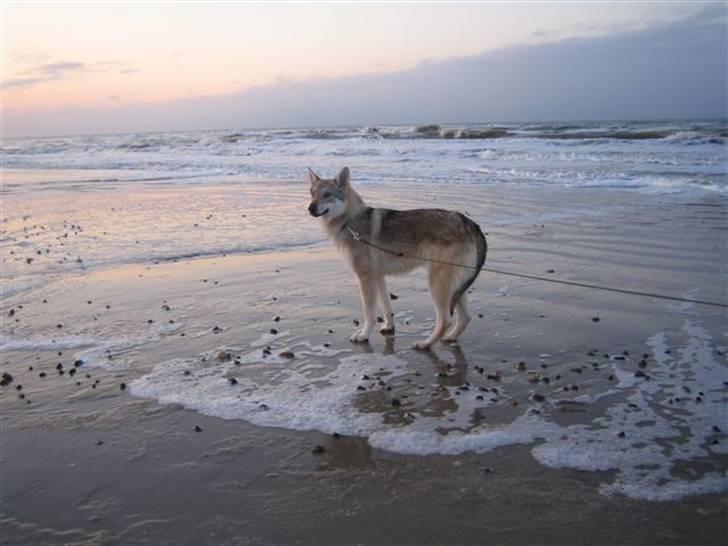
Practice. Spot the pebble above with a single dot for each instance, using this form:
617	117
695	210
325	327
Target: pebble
361	388
336	435
393	296
273	331
355	322
216	330
621	434
224	356
595	319
396	403
42	374
198	428
232	381
78	363
287	354
6	379
318	449
99	442
537	397
122	386
521	366
276	319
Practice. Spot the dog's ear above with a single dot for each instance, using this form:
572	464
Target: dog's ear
312	176
342	179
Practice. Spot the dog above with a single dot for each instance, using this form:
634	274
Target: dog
378	242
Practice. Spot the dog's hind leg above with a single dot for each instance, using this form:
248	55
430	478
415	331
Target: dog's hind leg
462	318
368	293
441	292
386	307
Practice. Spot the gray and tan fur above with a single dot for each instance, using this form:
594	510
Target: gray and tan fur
418	236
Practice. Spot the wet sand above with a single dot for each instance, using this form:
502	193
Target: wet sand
93	463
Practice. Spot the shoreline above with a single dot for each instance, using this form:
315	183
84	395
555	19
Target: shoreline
95	463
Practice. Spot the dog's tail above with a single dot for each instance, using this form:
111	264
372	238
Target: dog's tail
482	250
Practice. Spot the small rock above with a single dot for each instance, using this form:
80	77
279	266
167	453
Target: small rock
122	387
78	363
595	319
396	403
276	319
393	296
318	449
224	356
232	381
521	366
42	374
198	428
287	354
6	379
273	331
537	397
216	330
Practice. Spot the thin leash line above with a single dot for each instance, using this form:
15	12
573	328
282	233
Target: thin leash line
358	238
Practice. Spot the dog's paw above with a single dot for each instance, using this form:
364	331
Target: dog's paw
359	337
387	330
422	345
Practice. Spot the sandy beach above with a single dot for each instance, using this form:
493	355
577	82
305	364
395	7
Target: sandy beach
218	399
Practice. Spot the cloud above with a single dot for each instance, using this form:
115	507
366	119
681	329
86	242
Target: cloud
672	70
60	68
63	70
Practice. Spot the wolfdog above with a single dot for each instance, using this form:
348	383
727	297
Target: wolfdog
378	242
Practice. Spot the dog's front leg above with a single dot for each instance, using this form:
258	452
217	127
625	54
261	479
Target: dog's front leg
386	307
368	293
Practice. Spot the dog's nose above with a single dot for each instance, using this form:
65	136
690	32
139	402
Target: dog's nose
312	209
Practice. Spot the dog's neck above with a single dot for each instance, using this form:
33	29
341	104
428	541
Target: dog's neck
354	207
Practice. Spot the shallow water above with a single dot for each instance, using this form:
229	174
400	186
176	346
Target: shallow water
638	206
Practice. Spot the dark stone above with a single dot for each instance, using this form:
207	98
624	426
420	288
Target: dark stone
198	428
393	296
216	330
537	397
361	388
42	374
273	331
318	449
6	379
122	386
276	319
232	381
287	354
595	319
396	403
78	363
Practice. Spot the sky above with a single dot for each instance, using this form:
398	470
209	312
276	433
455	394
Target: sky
88	67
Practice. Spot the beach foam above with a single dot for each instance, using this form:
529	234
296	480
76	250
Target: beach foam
643	438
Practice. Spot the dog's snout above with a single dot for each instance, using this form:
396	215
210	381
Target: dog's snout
312	208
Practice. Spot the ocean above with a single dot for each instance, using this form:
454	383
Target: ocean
81	202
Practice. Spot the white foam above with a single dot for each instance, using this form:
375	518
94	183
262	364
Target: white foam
311	393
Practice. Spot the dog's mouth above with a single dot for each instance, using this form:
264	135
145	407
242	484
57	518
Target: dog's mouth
317	214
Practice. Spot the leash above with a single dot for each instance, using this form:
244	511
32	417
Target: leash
359	239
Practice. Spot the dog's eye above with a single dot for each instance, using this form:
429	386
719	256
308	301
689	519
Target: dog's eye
327	194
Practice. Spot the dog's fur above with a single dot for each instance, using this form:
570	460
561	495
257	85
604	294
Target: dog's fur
409	239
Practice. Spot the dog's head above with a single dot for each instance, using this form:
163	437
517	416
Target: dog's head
328	196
